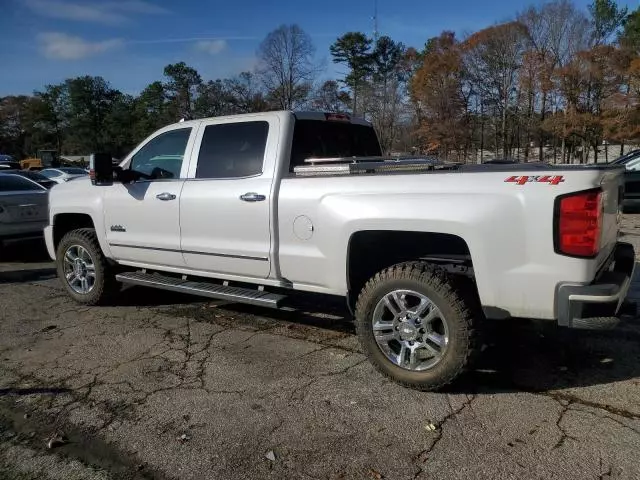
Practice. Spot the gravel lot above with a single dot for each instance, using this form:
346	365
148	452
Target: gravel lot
171	387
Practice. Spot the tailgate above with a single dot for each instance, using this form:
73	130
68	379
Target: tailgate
613	191
23	207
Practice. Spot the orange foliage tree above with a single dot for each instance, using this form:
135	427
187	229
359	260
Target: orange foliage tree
437	92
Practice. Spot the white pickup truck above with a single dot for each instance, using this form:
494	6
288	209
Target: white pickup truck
251	208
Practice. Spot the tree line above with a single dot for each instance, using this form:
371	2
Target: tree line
553	83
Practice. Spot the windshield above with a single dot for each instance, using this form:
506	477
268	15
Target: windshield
50	173
26	173
36	176
15	183
326	139
73	171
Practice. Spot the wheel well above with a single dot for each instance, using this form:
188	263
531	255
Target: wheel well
65	222
374	250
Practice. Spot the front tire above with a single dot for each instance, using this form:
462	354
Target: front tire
83	269
414	326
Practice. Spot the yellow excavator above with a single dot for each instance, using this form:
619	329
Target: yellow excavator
46	158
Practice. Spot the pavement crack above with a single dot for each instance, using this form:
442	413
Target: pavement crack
301	392
423	456
315	350
614	420
604	474
564	436
573	399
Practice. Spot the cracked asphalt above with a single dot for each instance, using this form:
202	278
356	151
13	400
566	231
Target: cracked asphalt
163	386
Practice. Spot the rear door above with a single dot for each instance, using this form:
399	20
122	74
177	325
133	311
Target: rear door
22	203
226	202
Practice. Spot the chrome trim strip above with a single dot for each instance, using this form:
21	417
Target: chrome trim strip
224	255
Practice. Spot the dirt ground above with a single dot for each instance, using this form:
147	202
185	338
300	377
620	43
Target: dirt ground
172	387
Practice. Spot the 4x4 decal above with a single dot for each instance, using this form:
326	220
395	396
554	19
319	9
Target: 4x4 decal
522	179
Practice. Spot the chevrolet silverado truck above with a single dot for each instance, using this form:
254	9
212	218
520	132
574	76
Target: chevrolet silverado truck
252	208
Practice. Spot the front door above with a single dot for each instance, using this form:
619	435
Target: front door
142	219
226	203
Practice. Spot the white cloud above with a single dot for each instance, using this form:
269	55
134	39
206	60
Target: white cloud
61	46
108	13
212	47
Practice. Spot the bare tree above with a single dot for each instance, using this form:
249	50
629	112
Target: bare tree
557	30
384	96
328	97
286	65
493	58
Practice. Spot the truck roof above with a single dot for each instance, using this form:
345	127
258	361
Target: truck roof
300	115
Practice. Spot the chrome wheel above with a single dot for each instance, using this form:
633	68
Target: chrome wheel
410	330
79	269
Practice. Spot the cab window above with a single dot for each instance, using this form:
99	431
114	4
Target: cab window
232	150
162	156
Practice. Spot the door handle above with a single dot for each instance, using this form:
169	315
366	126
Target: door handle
252	197
166	196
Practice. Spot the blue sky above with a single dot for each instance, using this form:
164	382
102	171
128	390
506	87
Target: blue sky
129	42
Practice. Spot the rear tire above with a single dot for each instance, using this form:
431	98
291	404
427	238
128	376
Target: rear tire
414	326
83	269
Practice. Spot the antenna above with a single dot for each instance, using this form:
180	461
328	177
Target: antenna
375	20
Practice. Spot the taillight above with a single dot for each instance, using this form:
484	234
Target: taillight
579	223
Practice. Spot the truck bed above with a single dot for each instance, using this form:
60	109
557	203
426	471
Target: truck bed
504	213
420	164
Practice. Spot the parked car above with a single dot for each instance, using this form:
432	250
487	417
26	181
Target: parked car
627	157
9	165
500	161
631	163
64	174
254	208
23	207
32	175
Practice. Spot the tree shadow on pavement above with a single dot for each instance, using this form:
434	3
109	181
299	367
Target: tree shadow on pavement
33	391
24	251
522	355
133	296
27	275
308	309
516	355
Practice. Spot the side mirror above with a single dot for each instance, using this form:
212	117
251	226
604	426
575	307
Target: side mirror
101	169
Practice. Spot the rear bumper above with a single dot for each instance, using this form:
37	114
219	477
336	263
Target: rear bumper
596	305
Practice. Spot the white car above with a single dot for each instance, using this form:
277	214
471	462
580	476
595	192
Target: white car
254	208
64	174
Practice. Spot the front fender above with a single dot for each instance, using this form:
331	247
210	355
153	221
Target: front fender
82	198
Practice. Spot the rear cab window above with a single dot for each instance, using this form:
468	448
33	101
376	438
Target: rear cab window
232	150
331	139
